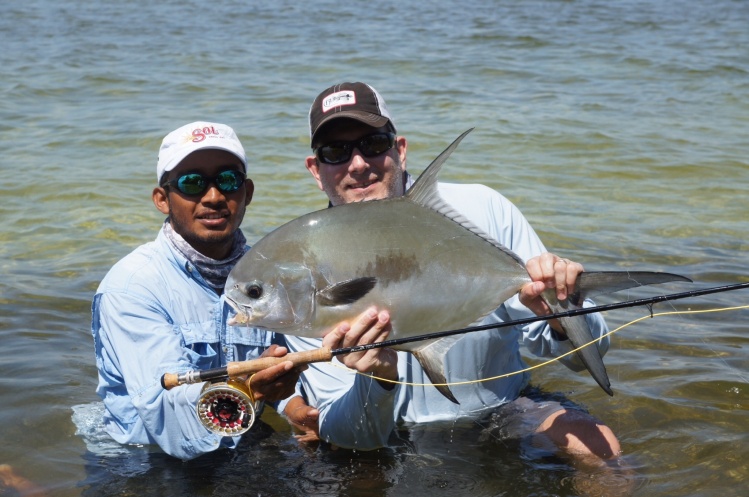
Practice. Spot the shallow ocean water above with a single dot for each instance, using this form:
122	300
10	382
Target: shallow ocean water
618	128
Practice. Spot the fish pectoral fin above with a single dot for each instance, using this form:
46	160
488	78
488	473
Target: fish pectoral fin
592	283
432	359
345	292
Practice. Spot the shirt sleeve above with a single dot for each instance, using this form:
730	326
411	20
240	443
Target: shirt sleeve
513	230
356	412
135	345
503	221
540	339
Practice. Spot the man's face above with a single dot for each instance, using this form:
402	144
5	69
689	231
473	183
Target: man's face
360	178
208	220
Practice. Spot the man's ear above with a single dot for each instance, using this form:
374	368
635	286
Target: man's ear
249	190
401	145
314	168
161	200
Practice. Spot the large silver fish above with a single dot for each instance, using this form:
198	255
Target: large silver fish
413	255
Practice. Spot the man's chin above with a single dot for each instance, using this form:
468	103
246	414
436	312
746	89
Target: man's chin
372	192
221	241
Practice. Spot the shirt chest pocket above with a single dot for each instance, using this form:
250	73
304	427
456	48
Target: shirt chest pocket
203	341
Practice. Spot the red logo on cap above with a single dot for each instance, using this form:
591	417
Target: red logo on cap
198	135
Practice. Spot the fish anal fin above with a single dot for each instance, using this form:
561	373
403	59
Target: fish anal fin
346	292
432	359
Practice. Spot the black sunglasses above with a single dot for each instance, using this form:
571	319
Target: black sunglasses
370	146
196	184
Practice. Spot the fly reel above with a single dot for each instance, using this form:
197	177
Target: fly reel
227	408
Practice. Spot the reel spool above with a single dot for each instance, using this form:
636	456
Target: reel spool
227	408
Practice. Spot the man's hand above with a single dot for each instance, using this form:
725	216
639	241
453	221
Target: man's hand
369	327
548	271
304	418
276	382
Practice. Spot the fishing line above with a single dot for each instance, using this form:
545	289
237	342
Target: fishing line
323	354
573	312
550	361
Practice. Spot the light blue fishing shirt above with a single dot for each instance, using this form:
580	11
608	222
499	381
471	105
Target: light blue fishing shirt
357	412
153	314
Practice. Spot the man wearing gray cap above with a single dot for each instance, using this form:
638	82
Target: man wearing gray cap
160	309
358	156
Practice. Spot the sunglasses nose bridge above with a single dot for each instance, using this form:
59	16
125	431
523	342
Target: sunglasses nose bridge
212	191
357	160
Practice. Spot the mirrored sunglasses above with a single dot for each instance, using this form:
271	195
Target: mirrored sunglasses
196	184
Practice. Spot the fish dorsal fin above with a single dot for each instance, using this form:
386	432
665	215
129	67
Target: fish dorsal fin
424	192
345	292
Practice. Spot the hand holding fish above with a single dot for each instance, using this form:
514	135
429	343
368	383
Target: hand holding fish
369	327
276	382
549	271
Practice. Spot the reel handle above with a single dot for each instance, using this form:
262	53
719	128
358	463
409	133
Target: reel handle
238	368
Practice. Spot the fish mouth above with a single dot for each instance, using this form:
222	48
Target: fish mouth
244	312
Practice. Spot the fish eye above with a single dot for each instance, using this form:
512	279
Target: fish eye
253	290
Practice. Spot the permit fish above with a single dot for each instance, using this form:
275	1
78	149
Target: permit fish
414	255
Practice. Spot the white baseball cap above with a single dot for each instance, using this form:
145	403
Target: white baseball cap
196	136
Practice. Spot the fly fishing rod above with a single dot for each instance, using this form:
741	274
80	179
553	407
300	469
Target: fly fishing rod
239	368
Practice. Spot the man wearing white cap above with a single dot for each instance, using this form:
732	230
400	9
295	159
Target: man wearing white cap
357	156
160	309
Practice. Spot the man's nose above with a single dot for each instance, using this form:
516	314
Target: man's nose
213	194
358	161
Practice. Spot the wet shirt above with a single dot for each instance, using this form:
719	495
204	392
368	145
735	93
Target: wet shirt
356	412
153	314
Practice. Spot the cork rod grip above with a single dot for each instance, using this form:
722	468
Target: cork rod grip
171	380
297	358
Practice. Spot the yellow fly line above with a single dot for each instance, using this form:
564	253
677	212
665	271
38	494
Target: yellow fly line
546	363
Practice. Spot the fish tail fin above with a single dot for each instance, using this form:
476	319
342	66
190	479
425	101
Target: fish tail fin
431	356
588	285
592	283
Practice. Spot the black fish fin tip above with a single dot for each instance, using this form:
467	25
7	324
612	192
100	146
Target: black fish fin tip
346	292
445	390
578	332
